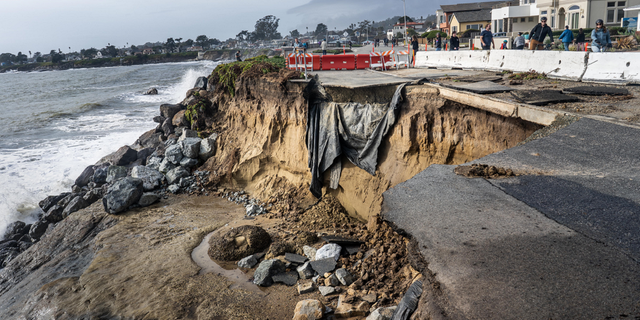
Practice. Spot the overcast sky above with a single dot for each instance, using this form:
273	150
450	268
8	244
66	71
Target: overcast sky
43	25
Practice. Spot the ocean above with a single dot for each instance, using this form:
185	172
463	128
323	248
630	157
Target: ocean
54	124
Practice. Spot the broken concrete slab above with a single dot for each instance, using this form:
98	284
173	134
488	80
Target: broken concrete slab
324	265
289	278
542	97
482	87
480	77
597	91
294	258
342	241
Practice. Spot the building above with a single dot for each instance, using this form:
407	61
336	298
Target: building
514	17
399	28
468	20
445	14
148	51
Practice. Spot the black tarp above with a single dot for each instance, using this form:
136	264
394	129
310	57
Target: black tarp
352	129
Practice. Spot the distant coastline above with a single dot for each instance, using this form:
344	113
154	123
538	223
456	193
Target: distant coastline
213	55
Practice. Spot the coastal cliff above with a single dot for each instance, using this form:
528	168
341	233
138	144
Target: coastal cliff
138	264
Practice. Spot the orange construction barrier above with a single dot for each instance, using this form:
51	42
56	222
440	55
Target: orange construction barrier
339	62
363	61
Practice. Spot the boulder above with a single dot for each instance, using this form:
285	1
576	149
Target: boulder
344	276
238	243
208	147
180	120
310	252
149	139
329	250
173	154
289	278
38	229
382	314
159	119
151	91
93	195
167	126
188	133
8	254
174	188
201	83
100	175
122	194
266	270
248	262
166	166
169	110
65	201
188	162
144	154
327	290
115	172
147	199
124	156
324	265
50	201
85	177
190	147
54	214
309	309
15	228
151	179
305	271
306	287
175	174
153	162
74	205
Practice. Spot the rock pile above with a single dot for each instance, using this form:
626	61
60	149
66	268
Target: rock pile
254	207
160	160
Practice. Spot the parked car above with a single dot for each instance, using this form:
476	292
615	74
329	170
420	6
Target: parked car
367	42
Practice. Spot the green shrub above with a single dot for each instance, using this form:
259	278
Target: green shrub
432	34
226	74
467	33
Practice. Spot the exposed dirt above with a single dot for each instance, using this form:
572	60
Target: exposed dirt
483	171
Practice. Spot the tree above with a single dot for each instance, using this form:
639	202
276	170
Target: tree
55	56
242	35
267	28
321	30
21	58
363	25
188	43
411	32
170	45
214	42
401	20
88	53
294	33
202	40
111	51
7	57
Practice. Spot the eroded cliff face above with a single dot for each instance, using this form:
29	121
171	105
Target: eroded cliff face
262	140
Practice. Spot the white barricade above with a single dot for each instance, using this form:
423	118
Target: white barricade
556	64
452	59
613	67
472	59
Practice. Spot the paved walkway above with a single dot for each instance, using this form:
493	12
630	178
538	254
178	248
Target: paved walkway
561	241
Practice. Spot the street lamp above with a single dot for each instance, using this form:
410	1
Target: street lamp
404	8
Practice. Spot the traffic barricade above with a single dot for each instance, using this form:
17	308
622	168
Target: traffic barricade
363	61
378	60
402	59
339	62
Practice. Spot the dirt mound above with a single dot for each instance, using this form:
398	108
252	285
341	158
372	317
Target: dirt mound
238	243
483	171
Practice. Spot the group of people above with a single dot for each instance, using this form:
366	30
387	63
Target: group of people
600	37
454	42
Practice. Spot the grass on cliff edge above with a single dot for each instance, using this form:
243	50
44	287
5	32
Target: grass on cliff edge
225	75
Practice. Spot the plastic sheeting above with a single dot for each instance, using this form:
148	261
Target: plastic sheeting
409	302
352	129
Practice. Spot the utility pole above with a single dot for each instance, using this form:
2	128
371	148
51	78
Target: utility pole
404	8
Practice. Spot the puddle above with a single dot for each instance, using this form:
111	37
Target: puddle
240	279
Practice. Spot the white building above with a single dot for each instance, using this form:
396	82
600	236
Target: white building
515	18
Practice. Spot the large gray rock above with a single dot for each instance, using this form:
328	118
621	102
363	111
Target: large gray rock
324	265
74	205
124	156
266	270
100	175
51	201
93	195
174	154
122	194
154	162
329	250
169	110
166	166
382	314
327	290
147	199
115	172
151	179
190	147
289	278
305	271
188	162
208	147
38	229
174	175
54	214
167	127
309	252
248	262
201	83
174	188
180	120
344	276
187	133
85	177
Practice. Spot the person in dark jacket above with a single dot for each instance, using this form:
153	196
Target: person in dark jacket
486	38
538	33
454	42
438	42
414	46
580	40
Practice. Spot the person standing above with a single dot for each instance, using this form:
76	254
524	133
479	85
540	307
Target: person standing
438	42
580	41
414	46
538	33
323	46
486	38
454	42
519	41
238	56
566	37
600	37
